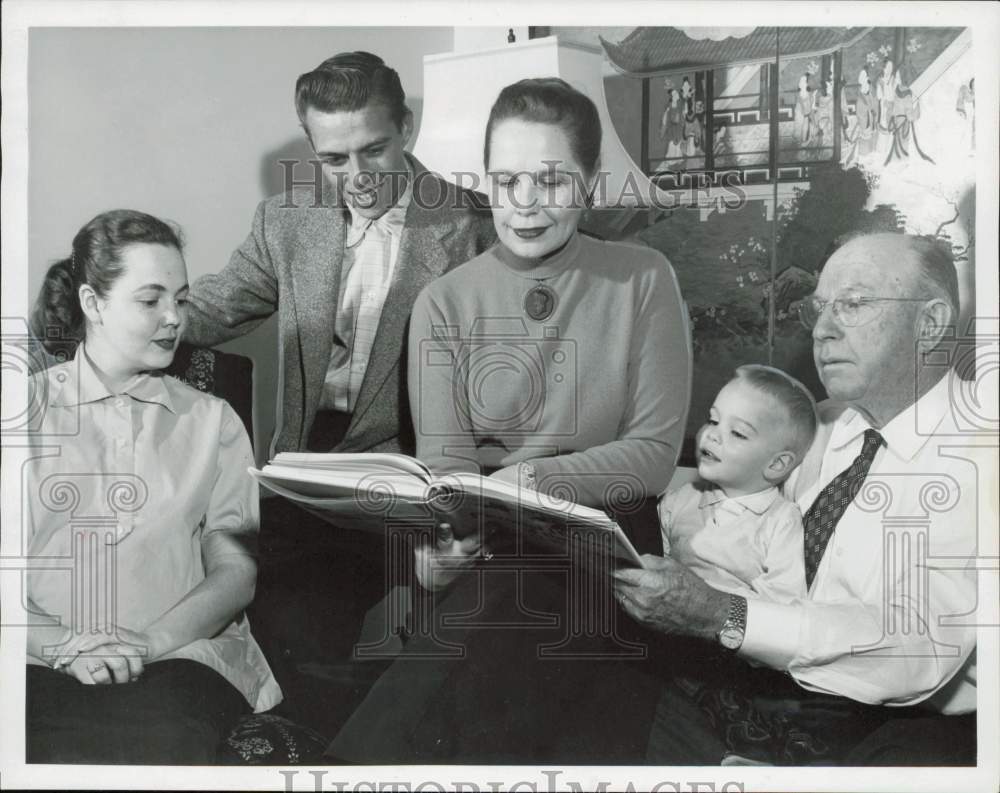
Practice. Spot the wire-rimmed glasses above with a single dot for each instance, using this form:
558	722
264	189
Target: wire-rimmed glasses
849	310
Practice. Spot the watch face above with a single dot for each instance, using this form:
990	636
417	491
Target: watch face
731	638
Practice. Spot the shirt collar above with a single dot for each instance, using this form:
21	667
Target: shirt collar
78	384
757	503
907	433
390	223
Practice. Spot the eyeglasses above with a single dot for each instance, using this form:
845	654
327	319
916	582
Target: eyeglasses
850	311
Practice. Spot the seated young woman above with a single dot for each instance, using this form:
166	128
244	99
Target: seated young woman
138	650
562	363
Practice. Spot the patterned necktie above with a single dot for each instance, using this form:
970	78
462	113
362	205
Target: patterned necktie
821	518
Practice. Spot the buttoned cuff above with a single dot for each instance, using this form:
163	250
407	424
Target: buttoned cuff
772	633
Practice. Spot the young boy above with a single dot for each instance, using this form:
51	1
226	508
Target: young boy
733	527
735	530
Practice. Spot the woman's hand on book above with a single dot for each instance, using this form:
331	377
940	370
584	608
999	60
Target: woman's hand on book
520	475
437	564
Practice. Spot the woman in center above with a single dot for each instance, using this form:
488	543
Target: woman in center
553	359
561	363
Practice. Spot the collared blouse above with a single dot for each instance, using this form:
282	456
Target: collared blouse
126	495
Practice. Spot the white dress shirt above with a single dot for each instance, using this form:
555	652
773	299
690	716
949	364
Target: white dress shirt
890	615
367	270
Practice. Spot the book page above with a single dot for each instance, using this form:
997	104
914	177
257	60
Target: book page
506	491
399	463
363	485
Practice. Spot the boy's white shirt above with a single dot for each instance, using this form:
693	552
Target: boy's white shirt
747	544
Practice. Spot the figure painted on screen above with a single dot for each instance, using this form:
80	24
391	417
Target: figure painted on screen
861	137
885	94
902	124
672	127
687	94
692	134
822	115
801	123
966	108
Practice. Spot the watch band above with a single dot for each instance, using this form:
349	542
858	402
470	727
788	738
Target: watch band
733	630
737	612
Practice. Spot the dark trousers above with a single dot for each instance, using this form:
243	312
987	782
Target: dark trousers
509	675
523	660
176	713
315	583
702	716
315	580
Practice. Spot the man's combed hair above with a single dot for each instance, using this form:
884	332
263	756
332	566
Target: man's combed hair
350	81
936	273
792	396
932	256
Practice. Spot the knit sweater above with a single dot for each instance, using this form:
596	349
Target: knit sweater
594	395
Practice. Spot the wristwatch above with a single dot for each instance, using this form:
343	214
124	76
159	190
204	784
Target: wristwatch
735	627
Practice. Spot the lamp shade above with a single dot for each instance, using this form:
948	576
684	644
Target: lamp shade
460	88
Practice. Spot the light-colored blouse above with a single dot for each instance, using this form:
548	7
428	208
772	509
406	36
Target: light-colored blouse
126	493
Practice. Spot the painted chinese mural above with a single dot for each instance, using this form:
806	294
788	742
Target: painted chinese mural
851	129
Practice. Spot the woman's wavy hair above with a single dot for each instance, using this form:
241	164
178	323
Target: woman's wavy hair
96	259
550	100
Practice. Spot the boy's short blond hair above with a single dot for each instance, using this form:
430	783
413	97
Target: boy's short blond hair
792	396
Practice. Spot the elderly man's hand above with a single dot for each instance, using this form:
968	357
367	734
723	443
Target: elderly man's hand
669	598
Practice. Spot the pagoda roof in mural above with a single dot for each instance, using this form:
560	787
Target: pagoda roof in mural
654	50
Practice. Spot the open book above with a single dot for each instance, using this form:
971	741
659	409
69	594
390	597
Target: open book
374	491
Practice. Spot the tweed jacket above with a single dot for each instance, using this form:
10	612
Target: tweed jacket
291	263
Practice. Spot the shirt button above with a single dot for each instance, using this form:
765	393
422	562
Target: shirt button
119	403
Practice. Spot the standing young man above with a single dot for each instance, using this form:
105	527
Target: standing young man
341	261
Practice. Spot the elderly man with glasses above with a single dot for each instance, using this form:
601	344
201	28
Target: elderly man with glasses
876	663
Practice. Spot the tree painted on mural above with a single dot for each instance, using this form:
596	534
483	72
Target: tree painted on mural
832	207
724	262
723	265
